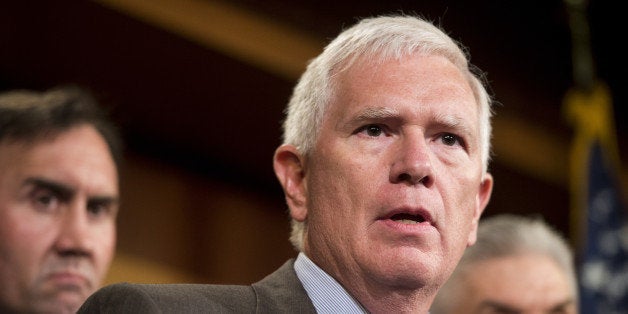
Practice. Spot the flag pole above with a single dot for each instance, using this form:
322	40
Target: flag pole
587	106
581	55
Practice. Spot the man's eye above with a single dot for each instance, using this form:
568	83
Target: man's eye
373	130
101	207
45	201
450	139
98	208
560	310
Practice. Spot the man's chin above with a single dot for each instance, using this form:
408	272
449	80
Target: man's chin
67	300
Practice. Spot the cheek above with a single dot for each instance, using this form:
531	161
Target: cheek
105	244
463	185
23	250
459	194
338	189
460	197
26	237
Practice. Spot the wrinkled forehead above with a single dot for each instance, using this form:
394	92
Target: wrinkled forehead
410	76
372	61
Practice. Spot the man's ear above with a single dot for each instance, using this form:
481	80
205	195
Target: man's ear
484	195
290	170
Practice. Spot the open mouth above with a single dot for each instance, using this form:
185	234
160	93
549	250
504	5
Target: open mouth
406	218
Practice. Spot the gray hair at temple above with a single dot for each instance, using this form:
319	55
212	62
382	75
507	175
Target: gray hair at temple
30	116
508	235
379	38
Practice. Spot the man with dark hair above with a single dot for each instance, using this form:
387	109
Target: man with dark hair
58	199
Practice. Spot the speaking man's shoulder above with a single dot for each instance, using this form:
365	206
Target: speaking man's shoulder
171	298
279	292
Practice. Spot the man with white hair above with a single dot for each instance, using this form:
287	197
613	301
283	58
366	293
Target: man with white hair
384	170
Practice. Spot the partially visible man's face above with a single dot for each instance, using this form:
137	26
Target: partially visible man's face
394	184
524	284
58	203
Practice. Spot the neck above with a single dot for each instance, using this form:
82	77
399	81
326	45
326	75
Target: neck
391	299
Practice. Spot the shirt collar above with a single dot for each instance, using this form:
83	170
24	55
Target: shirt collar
327	295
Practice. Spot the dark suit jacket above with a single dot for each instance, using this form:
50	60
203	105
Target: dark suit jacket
279	292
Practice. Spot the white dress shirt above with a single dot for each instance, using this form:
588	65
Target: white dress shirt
327	295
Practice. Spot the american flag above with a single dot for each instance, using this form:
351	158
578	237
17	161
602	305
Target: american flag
604	264
598	212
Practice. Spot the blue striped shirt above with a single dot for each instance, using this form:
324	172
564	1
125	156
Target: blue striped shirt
327	295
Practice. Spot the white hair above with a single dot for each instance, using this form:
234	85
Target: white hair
380	38
507	235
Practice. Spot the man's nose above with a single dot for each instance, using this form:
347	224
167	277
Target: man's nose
412	161
73	238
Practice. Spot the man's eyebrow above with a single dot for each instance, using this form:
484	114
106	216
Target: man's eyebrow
106	200
66	192
563	304
60	189
452	121
490	304
376	113
368	115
